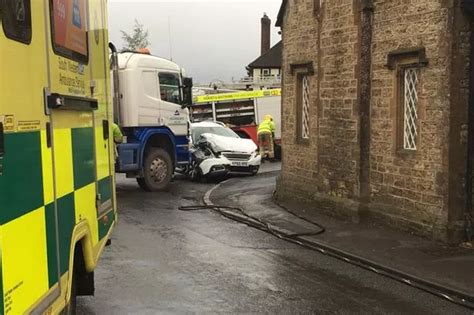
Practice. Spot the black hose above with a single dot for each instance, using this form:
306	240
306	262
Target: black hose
446	293
265	225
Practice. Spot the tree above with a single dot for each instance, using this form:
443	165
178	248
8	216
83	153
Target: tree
138	39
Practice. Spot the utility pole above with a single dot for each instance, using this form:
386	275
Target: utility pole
169	38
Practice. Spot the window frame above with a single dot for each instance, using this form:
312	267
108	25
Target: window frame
401	106
64	51
299	70
300	85
179	87
397	61
28	39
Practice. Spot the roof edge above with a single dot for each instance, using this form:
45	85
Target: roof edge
251	66
281	14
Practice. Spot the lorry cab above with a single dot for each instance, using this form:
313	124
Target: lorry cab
151	103
151	93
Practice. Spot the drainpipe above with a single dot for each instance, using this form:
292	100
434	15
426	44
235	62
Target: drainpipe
470	140
365	69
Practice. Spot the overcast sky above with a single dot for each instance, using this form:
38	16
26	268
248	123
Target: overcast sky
211	39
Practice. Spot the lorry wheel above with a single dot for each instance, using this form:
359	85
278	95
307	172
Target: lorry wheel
158	171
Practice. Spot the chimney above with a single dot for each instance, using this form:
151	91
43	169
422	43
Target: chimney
266	22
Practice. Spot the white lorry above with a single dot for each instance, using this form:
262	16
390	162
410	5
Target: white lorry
151	100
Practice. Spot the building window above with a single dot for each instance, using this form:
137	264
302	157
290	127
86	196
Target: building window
303	107
16	20
302	73
266	72
408	63
410	108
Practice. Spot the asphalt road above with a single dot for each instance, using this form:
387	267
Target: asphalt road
163	260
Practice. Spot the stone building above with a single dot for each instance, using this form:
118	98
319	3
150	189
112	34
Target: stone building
375	112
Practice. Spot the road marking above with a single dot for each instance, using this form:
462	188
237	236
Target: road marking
207	196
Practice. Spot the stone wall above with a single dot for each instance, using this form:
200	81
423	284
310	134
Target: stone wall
409	187
327	163
302	35
415	183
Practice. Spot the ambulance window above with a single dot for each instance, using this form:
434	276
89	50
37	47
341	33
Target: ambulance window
69	29
170	87
16	20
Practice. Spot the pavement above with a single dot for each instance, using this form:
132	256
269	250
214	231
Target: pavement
448	267
166	261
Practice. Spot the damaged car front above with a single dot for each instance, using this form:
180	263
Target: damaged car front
217	151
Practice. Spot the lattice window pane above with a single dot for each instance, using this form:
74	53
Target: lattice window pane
410	117
305	107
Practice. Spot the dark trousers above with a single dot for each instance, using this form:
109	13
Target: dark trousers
265	144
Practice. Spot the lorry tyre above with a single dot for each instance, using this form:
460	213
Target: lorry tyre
158	170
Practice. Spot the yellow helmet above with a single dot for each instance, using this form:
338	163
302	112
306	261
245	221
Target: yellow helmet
268	117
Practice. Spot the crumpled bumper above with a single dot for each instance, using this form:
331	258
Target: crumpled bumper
222	165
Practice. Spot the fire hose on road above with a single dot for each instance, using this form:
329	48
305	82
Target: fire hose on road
239	215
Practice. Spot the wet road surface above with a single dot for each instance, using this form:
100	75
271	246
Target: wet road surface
163	260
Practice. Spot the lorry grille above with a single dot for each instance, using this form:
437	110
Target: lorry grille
237	156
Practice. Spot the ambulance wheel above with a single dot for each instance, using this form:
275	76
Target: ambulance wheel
72	305
158	171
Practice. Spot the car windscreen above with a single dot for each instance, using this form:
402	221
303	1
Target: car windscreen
217	130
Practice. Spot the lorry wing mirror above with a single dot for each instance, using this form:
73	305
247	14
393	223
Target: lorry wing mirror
187	92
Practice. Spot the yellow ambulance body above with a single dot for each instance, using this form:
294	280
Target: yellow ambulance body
57	195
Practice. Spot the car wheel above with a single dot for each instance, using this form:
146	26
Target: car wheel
195	174
255	171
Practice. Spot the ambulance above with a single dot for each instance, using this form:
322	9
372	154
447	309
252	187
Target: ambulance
57	195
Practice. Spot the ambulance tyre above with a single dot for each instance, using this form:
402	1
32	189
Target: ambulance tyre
158	170
72	305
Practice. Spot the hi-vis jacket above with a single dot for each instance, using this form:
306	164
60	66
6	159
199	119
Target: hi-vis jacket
267	125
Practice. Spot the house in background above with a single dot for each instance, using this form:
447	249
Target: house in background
265	71
378	111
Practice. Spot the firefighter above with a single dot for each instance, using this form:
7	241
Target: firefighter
118	138
266	135
117	134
